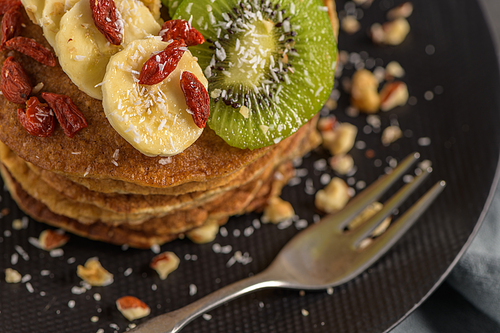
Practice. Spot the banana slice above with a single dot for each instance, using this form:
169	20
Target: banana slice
52	13
34	9
154	119
84	52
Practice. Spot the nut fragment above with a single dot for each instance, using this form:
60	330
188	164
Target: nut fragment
364	91
327	123
390	33
277	211
132	308
12	276
367	214
50	239
394	69
342	164
165	263
341	139
94	274
204	234
350	24
393	94
403	10
391	134
333	197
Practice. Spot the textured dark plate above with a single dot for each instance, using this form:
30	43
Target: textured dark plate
449	55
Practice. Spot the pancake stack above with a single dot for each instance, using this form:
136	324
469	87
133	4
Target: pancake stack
98	186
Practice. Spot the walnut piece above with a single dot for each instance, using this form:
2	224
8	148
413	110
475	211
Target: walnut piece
341	139
50	239
333	197
404	10
367	214
390	33
393	94
165	263
394	69
364	91
132	308
12	276
204	234
350	24
342	164
391	134
94	274
277	211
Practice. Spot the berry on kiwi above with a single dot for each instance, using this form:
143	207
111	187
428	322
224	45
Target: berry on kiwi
270	65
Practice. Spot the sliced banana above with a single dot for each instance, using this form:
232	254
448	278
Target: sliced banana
52	13
34	9
84	52
154	7
154	119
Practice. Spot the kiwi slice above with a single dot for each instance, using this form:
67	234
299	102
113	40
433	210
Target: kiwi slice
270	65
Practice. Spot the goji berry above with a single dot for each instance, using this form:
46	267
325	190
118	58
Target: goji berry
5	5
197	98
67	113
11	24
38	120
14	82
159	66
31	48
105	17
181	29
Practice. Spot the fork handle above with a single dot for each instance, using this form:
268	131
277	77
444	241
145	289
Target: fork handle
174	321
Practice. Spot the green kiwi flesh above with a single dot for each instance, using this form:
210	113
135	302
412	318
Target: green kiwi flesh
270	65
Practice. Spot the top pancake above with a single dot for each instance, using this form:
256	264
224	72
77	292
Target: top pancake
90	152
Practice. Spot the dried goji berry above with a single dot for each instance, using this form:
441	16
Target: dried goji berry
14	82
5	5
181	29
160	65
67	113
11	24
31	48
197	98
38	119
105	17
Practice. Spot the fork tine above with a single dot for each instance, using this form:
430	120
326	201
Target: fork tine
389	206
384	242
373	192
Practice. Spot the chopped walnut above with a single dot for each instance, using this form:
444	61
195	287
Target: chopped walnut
132	308
204	234
327	123
342	164
390	33
277	211
394	69
404	10
364	91
94	274
393	94
50	239
333	197
165	263
350	24
367	214
12	276
341	139
391	134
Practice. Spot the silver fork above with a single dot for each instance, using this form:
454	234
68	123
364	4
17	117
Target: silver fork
325	254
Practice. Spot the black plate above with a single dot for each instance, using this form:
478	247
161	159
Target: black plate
448	53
